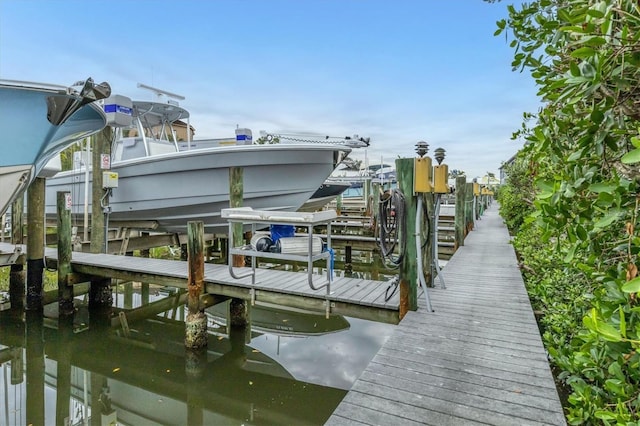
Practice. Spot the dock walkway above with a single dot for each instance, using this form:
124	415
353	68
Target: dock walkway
354	297
478	359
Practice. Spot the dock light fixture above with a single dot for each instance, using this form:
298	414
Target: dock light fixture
439	155
422	148
422	170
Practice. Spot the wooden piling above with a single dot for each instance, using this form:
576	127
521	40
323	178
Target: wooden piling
17	273
460	211
65	290
238	313
408	267
196	321
100	296
236	194
468	206
348	266
102	145
35	244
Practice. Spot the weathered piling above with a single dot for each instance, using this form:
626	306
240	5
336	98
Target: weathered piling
348	266
238	313
144	287
408	267
35	244
236	194
101	146
17	273
65	290
469	212
238	307
196	321
460	211
100	296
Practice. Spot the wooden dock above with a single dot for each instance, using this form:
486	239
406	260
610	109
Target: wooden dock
478	359
349	296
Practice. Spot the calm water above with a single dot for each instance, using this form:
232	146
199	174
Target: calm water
289	368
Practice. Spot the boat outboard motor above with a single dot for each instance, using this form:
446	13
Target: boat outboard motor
61	107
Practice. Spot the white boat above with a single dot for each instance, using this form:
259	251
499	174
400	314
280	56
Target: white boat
38	121
160	183
327	192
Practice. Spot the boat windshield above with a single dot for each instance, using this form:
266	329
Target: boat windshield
152	131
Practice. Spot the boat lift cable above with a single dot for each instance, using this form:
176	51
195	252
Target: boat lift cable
354	141
393	226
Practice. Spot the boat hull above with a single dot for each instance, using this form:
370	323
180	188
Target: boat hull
171	190
327	192
29	136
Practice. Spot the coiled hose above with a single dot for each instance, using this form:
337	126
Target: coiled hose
392	219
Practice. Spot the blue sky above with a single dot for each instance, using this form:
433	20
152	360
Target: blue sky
395	71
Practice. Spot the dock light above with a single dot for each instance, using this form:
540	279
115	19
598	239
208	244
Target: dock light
421	148
422	169
439	155
440	173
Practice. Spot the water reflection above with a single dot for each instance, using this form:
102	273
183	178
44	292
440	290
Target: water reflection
81	371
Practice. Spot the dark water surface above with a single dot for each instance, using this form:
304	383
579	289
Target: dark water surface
290	368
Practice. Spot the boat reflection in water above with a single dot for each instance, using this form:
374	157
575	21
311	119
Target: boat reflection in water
143	374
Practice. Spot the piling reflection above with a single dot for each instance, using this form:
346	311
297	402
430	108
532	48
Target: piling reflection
76	371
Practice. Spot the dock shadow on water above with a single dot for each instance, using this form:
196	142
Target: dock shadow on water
288	367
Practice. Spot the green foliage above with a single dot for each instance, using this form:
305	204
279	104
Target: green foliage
517	194
580	247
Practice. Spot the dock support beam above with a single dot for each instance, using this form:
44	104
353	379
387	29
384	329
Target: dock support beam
65	290
461	182
196	321
35	244
17	273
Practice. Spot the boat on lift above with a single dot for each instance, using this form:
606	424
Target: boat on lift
166	185
38	121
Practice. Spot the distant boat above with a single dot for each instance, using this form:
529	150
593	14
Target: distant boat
327	192
160	183
350	172
38	121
